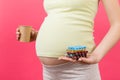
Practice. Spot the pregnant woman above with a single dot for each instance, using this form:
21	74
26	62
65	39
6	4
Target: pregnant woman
71	23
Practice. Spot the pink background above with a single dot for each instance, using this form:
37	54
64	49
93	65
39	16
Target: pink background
18	61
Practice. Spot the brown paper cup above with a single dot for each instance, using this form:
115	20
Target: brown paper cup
25	33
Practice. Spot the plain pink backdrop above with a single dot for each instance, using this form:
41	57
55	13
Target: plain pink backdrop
18	61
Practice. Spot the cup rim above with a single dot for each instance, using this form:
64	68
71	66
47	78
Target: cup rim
25	26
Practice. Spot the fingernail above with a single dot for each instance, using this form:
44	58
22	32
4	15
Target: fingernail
79	59
59	58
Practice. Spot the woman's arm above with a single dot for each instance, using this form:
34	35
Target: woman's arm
111	38
113	35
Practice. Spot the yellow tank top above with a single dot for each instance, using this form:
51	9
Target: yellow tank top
68	23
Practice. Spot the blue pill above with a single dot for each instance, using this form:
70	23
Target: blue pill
84	47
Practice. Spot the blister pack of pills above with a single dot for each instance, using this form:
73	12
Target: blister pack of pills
76	52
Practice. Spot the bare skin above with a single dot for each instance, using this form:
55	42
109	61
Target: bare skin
33	34
44	60
110	39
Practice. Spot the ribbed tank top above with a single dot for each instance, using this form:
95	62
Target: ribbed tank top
68	23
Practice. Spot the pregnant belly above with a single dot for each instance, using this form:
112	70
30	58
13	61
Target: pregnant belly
51	61
56	35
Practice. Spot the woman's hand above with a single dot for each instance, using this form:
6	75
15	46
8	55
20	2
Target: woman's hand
108	41
90	59
32	37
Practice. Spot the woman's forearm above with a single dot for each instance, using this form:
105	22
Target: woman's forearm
110	39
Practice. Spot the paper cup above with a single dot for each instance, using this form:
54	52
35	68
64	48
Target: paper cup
25	33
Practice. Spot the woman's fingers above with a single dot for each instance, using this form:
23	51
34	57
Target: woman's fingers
91	59
81	59
17	30
85	60
32	34
66	59
18	36
18	33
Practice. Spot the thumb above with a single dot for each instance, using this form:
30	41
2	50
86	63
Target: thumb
86	60
32	33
